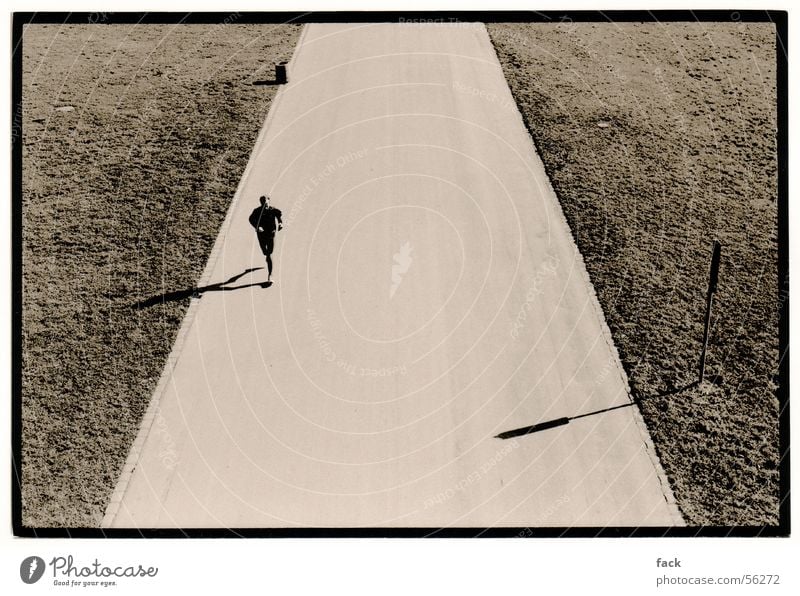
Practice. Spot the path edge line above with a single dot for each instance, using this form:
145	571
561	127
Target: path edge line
153	408
550	193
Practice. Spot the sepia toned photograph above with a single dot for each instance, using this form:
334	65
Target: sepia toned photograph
397	274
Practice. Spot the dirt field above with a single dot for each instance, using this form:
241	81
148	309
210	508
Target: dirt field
659	138
134	142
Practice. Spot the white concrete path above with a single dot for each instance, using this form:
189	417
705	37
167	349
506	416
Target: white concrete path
428	295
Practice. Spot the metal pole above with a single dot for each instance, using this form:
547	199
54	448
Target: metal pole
712	287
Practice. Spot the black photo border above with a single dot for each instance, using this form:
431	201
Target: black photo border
778	18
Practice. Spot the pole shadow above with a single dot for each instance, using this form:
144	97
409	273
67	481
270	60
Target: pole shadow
280	76
535	428
196	292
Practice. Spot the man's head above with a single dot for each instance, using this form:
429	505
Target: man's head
264	201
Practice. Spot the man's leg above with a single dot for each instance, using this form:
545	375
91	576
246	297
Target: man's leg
268	246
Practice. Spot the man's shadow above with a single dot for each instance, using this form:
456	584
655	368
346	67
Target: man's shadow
198	292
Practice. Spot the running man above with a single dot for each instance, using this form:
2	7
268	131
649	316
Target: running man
265	220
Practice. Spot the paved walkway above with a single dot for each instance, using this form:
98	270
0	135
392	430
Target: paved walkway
428	296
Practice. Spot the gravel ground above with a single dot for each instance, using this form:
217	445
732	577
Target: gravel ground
134	140
659	138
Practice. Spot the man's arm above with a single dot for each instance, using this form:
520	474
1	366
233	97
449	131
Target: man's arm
254	217
278	217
